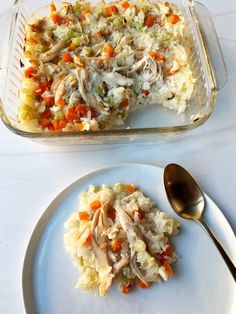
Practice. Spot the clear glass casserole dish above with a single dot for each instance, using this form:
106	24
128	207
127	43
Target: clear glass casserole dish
154	124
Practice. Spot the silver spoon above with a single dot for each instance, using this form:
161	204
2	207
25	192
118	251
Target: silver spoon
187	200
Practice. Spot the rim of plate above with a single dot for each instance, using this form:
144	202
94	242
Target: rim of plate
27	280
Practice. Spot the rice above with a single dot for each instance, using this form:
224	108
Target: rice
119	235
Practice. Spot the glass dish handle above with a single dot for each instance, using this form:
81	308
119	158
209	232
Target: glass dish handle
212	45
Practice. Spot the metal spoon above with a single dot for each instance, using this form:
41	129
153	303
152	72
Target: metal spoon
187	200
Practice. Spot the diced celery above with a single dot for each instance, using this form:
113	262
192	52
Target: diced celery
59	115
117	22
111	100
69	35
96	188
76	41
77	7
99	90
138	26
40	48
145	9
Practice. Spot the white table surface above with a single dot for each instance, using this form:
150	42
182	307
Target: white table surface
32	174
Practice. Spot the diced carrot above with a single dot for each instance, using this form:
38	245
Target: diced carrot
72	47
100	34
109	10
42	87
136	213
61	102
173	19
142	284
46	114
29	72
95	205
56	18
150	21
55	124
169	250
33	40
52	7
89	239
168	269
116	245
66	57
125	288
145	92
84	216
130	188
70	114
80	109
48	100
124	102
45	123
62	123
111	213
156	56
109	51
125	5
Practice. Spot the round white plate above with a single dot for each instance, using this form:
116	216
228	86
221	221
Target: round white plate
201	281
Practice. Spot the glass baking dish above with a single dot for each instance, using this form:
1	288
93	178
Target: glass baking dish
156	123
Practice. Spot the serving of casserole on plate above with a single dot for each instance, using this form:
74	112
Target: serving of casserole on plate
85	72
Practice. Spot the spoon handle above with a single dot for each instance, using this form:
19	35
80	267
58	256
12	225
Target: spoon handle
227	260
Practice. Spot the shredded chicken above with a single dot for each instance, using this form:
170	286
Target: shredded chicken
54	51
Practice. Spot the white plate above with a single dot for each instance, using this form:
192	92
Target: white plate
201	281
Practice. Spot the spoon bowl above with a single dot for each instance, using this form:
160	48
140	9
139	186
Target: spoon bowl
184	195
187	200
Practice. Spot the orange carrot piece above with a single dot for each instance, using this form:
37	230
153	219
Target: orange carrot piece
57	19
124	102
116	245
130	188
66	57
52	7
142	284
125	5
173	19
168	269
169	250
109	51
62	123
61	102
95	205
84	215
125	288
70	114
89	239
29	72
111	9
150	21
